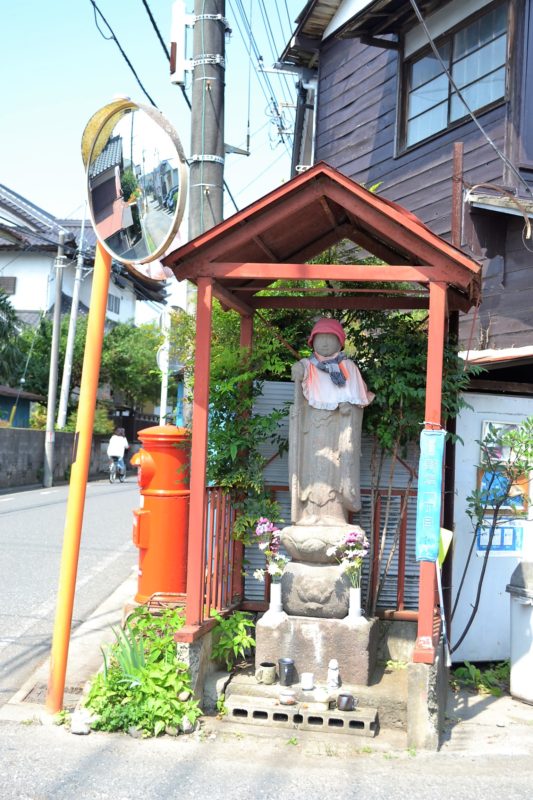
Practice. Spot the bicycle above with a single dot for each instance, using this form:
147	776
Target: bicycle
115	470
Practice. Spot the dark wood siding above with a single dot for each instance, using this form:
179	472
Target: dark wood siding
356	133
506	313
356	130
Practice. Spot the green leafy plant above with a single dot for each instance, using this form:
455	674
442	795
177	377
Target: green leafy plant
143	684
492	679
222	708
232	637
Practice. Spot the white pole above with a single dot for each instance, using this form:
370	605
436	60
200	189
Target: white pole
163	365
67	366
54	358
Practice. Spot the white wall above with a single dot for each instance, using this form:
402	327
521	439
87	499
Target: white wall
488	638
33	272
35	286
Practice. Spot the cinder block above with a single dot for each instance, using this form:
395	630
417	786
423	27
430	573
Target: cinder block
265	712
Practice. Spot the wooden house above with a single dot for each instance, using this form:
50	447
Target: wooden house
390	87
430	101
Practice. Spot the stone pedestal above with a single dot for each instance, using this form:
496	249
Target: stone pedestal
312	642
314	590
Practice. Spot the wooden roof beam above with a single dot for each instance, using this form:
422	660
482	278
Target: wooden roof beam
330	238
317	272
376	248
266	250
248	228
340	302
229	300
416	240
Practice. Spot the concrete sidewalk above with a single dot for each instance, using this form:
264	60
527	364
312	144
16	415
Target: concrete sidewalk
476	726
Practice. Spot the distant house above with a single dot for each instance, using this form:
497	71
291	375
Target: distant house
28	246
20	401
387	91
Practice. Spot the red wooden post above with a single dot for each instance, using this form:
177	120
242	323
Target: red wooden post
425	643
237	578
402	550
197	513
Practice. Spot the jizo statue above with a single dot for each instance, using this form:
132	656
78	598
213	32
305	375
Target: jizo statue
325	431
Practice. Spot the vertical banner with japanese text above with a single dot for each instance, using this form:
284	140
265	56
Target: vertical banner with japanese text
429	500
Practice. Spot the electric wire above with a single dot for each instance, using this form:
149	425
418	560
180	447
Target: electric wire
288	16
262	76
123	54
273	48
156	29
445	68
163	45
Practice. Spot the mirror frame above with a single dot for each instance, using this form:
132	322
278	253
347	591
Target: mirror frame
96	134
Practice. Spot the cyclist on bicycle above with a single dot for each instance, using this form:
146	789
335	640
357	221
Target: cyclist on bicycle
118	444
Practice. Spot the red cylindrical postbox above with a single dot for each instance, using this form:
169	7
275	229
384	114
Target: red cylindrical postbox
160	525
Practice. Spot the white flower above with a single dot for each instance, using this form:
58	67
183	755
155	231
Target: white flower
259	574
274	569
263	545
331	551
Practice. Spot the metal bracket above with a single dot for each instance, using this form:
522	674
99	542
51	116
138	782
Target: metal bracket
209	58
204	157
213	18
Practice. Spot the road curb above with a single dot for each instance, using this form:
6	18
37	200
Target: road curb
84	660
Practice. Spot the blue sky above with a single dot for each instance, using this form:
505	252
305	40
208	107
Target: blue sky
58	70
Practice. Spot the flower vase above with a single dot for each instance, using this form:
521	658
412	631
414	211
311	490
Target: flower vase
275	598
354	602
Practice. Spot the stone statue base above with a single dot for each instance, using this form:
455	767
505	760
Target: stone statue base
310	542
313	642
314	590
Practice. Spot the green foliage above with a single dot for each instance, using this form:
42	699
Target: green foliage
38	417
103	425
143	681
128	358
222	708
391	350
232	637
129	363
491	679
10	353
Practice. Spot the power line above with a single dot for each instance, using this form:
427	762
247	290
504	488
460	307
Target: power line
163	45
123	54
156	29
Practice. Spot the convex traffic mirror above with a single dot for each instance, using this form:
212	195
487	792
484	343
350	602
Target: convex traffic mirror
136	180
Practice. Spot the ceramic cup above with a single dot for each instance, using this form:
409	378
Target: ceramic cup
307	681
346	702
266	672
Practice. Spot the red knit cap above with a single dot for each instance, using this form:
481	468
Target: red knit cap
327	325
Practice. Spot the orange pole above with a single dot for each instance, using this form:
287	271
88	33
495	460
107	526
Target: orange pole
78	481
197	512
425	645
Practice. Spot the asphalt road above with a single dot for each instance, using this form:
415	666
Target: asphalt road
31	540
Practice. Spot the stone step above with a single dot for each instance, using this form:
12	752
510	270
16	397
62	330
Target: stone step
388	694
266	711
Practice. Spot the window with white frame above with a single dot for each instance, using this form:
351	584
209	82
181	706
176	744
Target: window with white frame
475	54
113	303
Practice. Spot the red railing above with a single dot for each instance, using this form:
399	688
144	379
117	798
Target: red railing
221	552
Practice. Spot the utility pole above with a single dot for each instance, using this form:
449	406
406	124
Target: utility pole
54	358
162	361
207	120
67	366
